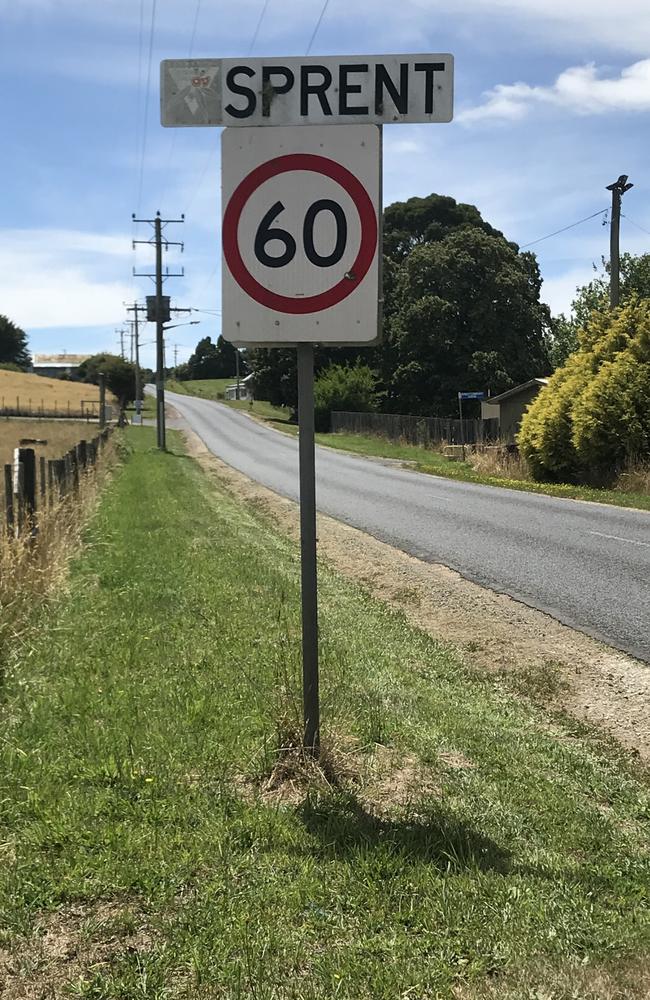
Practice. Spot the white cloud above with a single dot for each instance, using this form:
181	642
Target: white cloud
579	90
63	278
621	27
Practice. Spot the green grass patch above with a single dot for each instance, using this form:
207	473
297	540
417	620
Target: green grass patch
204	388
434	463
214	388
471	839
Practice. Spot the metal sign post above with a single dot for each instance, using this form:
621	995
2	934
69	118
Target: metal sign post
308	568
461	397
301	204
301	210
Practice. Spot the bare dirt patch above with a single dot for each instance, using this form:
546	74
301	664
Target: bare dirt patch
70	945
556	665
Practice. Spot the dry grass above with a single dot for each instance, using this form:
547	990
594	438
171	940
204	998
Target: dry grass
635	479
31	393
34	568
574	980
498	461
60	435
70	946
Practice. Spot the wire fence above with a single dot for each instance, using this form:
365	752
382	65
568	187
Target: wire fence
31	409
427	432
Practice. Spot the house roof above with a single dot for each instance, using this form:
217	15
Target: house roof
59	360
540	382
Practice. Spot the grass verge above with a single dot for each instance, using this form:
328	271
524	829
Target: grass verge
213	388
154	846
434	463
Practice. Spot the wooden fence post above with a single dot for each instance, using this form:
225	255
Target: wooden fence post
69	475
43	481
50	481
27	460
81	451
60	471
9	497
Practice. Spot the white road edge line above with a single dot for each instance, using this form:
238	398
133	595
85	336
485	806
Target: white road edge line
617	538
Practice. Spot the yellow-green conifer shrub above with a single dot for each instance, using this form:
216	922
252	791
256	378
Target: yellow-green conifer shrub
594	414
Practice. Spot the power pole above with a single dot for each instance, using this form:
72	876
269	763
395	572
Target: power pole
136	309
618	189
121	333
175	356
159	315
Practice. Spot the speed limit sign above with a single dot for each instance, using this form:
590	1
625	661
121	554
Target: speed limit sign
301	211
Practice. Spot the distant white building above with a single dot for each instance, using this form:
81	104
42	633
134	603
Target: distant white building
57	365
246	388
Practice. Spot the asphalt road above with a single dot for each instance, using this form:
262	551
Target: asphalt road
588	565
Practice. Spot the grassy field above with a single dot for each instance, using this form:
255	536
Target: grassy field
33	392
205	388
61	435
157	845
213	388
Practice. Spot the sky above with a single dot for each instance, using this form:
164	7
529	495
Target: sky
552	103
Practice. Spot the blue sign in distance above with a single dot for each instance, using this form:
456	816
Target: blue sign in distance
471	395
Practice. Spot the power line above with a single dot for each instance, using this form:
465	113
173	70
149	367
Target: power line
146	101
318	24
646	231
257	27
193	35
172	145
563	230
197	187
138	124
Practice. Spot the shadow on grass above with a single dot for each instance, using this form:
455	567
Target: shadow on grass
344	827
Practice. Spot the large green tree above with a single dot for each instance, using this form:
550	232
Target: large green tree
214	360
461	311
13	345
120	375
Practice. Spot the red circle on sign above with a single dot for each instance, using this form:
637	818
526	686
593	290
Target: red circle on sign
232	215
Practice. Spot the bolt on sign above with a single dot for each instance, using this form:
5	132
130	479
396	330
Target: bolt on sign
327	90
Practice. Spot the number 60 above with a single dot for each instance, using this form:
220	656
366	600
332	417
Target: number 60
265	233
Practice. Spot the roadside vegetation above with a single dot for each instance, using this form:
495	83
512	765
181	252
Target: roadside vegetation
163	837
214	388
490	467
33	564
496	468
592	419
